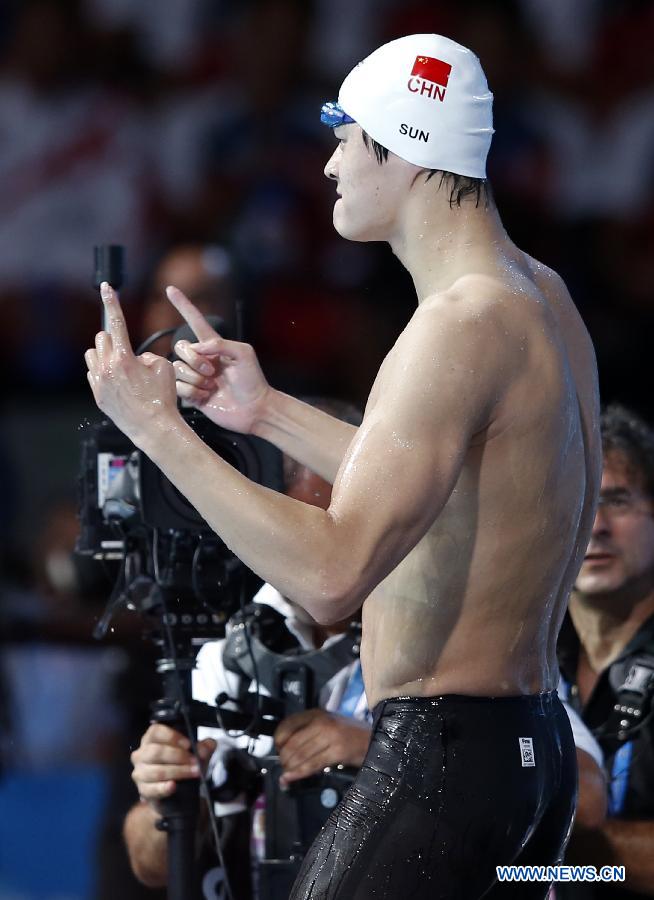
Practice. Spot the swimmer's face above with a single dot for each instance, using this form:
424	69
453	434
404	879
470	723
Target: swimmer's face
621	549
370	195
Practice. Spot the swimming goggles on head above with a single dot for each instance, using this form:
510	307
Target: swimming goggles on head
333	115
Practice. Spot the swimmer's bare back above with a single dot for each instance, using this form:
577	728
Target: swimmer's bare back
475	606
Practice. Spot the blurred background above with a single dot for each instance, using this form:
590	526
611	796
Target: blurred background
188	130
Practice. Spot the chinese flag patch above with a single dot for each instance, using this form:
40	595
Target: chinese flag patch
432	69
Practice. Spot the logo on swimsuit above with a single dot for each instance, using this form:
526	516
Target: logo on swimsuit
429	77
527	751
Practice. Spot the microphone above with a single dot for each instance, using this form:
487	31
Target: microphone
109	265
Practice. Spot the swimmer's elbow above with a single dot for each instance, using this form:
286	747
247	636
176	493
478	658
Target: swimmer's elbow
338	595
342	575
329	612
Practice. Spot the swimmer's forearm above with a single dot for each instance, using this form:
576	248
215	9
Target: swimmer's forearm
308	435
298	548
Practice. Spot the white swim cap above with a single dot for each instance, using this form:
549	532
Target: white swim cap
426	99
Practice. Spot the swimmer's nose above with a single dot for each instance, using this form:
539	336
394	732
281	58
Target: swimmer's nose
331	168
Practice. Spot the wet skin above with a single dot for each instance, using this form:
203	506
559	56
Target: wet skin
475	607
462	506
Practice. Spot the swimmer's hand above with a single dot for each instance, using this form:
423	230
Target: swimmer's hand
221	378
310	740
136	392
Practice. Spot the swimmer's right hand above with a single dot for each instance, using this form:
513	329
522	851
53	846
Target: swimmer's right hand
163	758
221	378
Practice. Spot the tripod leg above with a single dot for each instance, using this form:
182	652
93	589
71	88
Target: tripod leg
180	823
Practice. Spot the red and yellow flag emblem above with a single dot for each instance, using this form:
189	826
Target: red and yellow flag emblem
432	69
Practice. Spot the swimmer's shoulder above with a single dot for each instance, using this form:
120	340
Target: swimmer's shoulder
532	300
469	289
547	281
471	320
474	299
561	305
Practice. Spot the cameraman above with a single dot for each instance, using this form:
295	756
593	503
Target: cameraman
306	742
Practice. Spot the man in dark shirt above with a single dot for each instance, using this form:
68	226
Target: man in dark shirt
606	652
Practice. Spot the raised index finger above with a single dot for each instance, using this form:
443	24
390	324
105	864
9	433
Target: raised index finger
115	320
191	314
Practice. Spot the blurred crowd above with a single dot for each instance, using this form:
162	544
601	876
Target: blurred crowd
189	132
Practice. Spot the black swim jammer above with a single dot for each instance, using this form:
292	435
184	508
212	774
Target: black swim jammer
451	787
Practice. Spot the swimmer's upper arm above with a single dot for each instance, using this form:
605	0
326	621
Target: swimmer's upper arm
443	381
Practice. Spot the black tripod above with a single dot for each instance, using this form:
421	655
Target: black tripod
175	635
180	811
177	625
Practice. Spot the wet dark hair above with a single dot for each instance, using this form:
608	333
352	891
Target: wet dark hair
379	150
626	434
461	186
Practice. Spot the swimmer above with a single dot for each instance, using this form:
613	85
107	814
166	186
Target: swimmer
461	507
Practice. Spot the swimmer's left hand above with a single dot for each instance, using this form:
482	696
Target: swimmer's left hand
310	740
136	392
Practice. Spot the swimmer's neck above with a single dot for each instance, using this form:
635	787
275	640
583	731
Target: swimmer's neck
439	244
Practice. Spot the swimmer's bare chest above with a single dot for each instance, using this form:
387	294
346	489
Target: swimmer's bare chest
438	623
465	611
411	614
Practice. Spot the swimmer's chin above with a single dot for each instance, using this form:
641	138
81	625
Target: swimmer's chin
347	231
